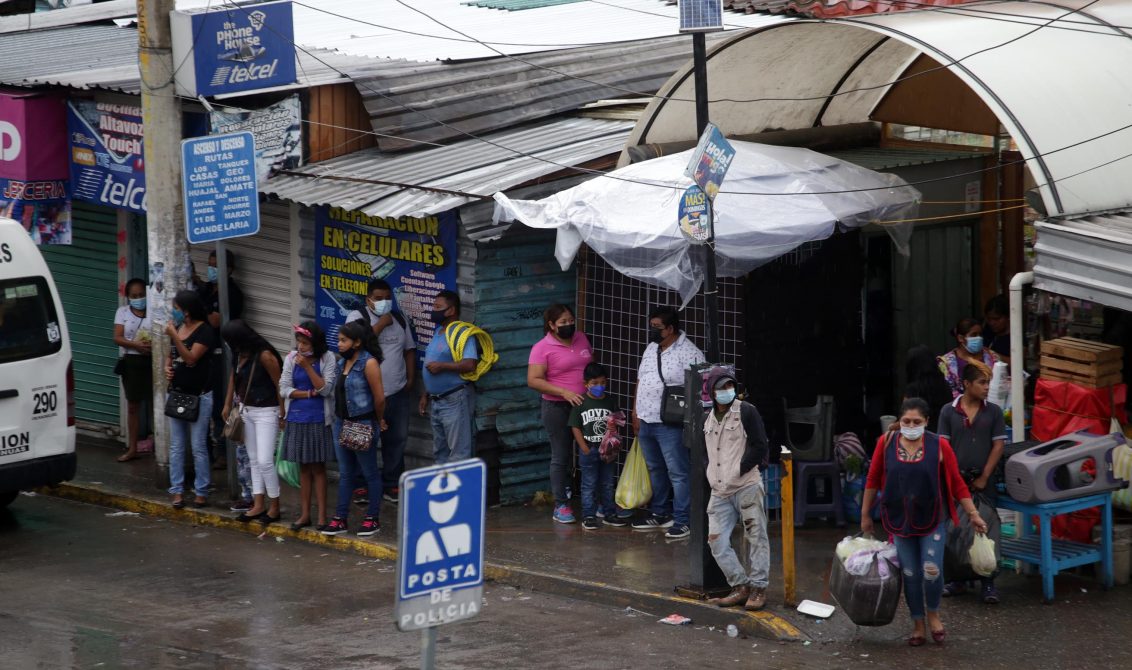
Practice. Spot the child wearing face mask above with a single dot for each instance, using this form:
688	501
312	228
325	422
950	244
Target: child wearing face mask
737	449
588	423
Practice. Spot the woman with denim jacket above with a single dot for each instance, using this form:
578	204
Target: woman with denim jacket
358	397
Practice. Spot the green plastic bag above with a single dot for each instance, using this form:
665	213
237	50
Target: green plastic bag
634	489
288	470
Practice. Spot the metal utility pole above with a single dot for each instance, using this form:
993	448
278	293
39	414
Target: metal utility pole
711	293
161	119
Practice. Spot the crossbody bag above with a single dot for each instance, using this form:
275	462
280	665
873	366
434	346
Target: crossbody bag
673	401
234	424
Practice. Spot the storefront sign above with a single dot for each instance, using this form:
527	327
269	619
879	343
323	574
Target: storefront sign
33	143
694	215
417	256
41	206
219	184
239	48
277	130
106	154
710	161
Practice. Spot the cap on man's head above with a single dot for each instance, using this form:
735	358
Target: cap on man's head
720	376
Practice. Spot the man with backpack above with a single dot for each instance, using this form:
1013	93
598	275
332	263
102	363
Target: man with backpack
736	449
398	369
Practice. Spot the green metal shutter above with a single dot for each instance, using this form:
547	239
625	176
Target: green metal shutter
86	274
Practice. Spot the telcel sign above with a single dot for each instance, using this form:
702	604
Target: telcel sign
236	49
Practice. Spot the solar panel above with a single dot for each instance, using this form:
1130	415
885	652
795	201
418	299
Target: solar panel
701	15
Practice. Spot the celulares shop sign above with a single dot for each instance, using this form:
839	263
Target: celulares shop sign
234	49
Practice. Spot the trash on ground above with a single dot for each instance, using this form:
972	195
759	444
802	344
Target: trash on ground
279	539
122	514
814	608
732	630
675	620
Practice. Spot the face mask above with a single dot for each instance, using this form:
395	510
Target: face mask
597	389
974	344
178	316
725	396
438	316
213	274
912	433
138	304
382	307
655	335
566	332
308	354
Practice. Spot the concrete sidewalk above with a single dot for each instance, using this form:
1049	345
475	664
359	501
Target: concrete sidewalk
614	566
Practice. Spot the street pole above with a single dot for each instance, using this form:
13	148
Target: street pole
161	119
707	578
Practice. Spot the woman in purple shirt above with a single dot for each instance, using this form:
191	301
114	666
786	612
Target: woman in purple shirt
555	370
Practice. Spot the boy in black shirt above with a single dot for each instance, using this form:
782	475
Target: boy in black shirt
588	422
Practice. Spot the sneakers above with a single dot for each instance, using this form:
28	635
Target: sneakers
563	514
990	595
615	521
677	532
361	497
241	506
392	494
591	523
738	595
370	526
336	526
653	522
757	601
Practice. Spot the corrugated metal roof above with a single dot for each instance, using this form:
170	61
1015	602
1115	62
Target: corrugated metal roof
826	9
470	167
1086	257
888	158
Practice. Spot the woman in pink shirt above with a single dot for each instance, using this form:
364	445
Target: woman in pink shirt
555	370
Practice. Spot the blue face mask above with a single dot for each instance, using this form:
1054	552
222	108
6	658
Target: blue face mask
725	396
597	390
382	307
974	343
178	316
138	304
213	274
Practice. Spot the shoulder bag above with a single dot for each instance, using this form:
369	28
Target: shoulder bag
234	424
183	406
355	435
673	401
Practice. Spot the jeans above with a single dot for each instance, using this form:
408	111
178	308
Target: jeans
394	438
667	460
453	430
261	428
748	504
555	417
597	478
192	435
349	463
921	563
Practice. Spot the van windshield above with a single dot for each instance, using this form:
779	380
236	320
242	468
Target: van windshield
29	325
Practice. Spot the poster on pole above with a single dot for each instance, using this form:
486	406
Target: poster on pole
107	165
694	215
277	129
417	256
710	161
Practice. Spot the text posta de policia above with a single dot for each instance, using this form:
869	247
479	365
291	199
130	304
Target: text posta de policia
375	244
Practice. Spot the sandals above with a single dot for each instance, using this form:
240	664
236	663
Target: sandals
938	636
178	502
245	517
916	641
299	525
267	519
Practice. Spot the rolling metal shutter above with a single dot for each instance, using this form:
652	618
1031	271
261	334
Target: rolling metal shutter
86	273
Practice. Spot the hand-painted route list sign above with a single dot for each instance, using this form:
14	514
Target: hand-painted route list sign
219	183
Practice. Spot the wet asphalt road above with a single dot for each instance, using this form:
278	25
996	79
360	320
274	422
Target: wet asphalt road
85	587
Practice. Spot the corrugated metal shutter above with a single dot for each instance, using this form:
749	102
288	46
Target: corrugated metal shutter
86	274
263	272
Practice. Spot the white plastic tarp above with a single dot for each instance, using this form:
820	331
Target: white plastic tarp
773	200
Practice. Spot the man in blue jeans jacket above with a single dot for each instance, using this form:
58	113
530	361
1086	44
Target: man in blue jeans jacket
667	356
453	399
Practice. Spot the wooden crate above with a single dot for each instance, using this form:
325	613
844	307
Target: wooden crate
1089	364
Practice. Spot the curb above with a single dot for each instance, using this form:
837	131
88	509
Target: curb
766	625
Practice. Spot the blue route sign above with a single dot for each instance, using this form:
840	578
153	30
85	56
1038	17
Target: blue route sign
440	561
220	188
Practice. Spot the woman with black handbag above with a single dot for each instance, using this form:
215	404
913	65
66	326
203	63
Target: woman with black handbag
189	402
255	380
359	400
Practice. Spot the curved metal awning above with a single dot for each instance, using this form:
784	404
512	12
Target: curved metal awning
1055	74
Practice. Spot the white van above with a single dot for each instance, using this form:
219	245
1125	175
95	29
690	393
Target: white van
37	381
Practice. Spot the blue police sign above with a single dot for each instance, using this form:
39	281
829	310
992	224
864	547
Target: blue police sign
234	49
219	184
440	562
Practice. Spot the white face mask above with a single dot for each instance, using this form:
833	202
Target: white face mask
912	432
382	307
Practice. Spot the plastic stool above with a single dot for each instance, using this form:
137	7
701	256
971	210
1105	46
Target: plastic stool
804	471
820	417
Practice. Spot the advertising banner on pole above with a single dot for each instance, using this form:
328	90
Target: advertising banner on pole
107	167
710	161
417	256
277	130
41	206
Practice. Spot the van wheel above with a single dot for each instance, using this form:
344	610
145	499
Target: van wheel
7	497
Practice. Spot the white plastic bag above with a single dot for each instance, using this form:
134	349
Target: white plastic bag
851	545
983	561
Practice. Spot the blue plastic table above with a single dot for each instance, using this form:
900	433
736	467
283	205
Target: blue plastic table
1050	555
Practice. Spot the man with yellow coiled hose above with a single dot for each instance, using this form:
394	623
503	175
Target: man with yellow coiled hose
446	384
